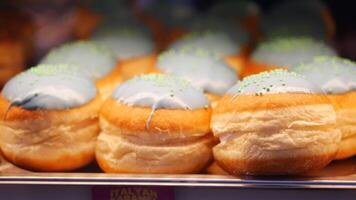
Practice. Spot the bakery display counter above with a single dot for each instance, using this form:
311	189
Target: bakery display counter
338	175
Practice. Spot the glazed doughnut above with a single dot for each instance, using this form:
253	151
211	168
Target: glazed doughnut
274	123
94	61
219	43
285	53
155	124
49	119
132	46
201	68
337	77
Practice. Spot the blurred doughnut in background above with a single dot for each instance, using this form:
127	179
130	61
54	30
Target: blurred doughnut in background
30	28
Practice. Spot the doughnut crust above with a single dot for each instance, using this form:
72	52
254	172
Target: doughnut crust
175	141
345	107
274	134
214	168
49	140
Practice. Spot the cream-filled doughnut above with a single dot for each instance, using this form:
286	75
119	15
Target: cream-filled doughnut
201	68
49	119
274	123
155	124
337	77
93	61
133	47
219	43
285	53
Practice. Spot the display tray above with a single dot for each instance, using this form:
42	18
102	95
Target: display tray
339	174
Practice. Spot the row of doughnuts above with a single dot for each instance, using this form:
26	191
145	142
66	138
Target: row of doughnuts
267	124
47	106
241	20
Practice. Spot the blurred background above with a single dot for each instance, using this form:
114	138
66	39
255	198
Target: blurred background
30	28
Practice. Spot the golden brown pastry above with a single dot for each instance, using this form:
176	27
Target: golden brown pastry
155	124
274	123
337	77
49	119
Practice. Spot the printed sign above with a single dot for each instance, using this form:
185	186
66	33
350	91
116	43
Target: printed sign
132	193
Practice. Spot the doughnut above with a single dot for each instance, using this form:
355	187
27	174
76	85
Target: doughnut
285	53
132	46
337	77
219	43
274	123
49	119
201	68
157	124
94	61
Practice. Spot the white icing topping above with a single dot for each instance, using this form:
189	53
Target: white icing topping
334	75
127	42
276	81
288	52
48	88
93	61
160	91
218	43
199	67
